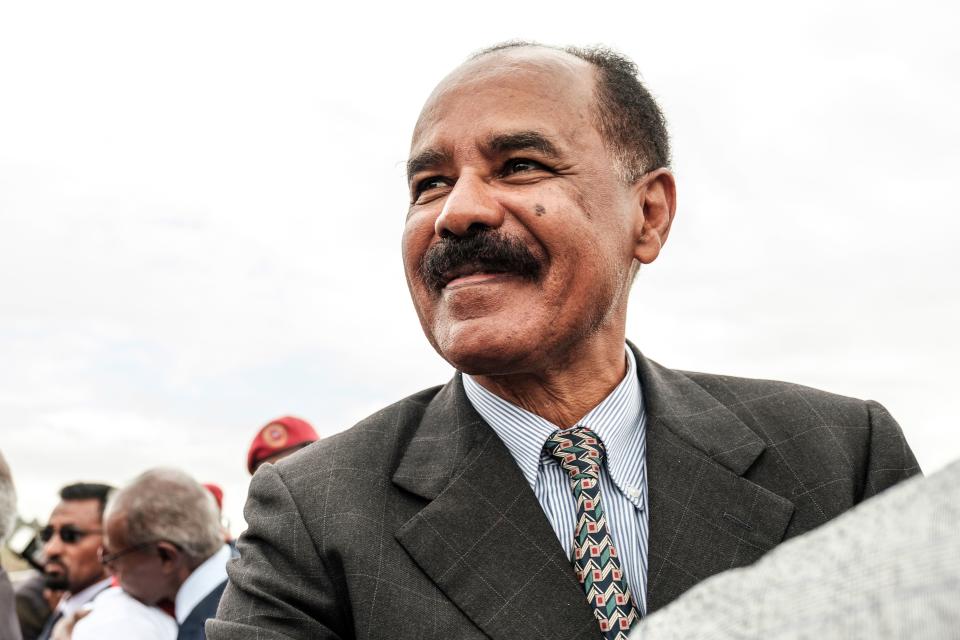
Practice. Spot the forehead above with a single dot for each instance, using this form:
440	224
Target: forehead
79	512
525	90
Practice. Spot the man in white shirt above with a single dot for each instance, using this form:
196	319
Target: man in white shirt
117	616
164	544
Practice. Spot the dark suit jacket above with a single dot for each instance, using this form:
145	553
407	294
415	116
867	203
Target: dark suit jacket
193	626
417	523
9	626
32	608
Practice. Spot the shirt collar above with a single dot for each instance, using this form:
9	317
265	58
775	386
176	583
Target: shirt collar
201	582
618	420
69	605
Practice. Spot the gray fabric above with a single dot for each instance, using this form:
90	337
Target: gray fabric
888	569
9	625
416	523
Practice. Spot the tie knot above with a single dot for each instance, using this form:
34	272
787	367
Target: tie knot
578	450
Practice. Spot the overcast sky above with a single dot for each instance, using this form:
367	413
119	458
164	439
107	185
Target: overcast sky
201	206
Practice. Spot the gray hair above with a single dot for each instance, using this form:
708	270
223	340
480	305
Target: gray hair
167	504
8	501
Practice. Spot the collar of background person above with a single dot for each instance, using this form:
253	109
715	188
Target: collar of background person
72	603
202	581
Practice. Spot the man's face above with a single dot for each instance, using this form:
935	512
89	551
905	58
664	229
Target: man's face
518	245
139	568
73	566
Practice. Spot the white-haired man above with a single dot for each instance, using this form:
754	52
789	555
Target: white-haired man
162	540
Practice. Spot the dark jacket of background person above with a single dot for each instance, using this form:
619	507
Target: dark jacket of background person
193	627
33	610
9	625
417	523
890	568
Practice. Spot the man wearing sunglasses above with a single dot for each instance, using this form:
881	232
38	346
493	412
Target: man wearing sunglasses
71	542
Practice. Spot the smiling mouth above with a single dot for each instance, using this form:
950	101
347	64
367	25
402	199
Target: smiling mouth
471	273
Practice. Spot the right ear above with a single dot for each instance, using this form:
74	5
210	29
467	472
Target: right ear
169	553
656	196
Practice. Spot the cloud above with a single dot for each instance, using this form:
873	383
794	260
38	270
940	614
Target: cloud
200	211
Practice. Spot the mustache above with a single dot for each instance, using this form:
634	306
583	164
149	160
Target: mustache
56	582
487	250
54	561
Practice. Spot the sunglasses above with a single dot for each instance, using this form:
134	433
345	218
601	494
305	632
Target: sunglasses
107	558
68	533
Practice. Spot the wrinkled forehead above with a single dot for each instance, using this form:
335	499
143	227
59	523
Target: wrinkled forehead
514	88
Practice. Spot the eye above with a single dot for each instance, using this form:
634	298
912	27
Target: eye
423	187
521	165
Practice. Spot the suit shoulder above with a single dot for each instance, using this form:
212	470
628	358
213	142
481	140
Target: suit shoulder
775	396
374	441
759	388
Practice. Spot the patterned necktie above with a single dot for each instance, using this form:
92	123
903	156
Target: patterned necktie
580	452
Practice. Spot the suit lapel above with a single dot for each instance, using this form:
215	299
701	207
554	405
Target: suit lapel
484	540
483	537
704	516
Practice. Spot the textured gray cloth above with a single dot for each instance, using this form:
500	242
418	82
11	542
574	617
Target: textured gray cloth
417	523
890	568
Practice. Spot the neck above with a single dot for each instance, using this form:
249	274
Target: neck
564	393
73	592
184	571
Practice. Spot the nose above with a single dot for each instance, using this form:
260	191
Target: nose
52	547
469	205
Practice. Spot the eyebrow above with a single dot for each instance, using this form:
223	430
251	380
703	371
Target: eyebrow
522	141
426	159
494	145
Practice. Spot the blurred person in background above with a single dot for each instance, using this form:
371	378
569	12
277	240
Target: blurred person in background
217	494
9	625
164	543
72	541
115	614
279	439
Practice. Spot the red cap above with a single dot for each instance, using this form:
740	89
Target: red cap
217	493
278	436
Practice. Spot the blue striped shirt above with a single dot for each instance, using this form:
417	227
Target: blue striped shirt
620	421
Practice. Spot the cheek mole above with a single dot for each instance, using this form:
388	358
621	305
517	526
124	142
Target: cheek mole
539	210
